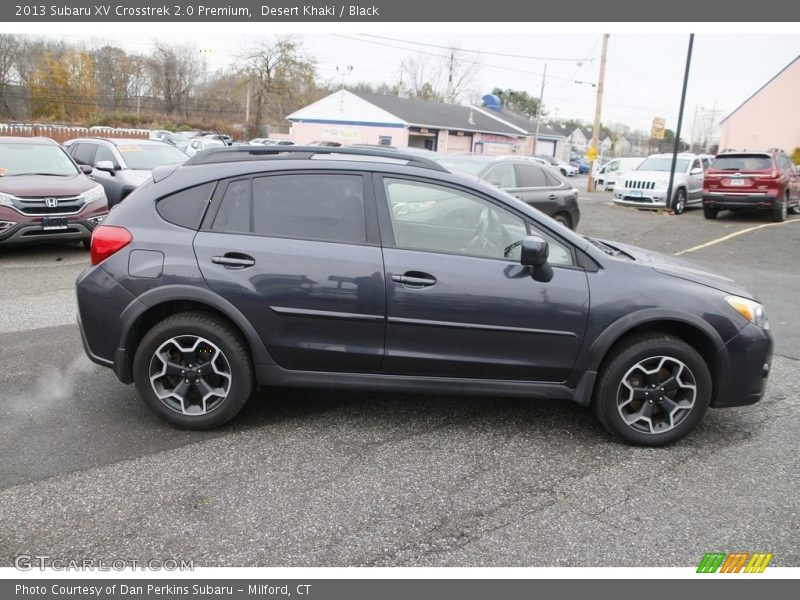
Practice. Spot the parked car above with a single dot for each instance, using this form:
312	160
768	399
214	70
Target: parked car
325	143
376	270
566	169
44	195
270	142
646	186
122	164
532	183
159	134
178	140
202	143
765	181
606	175
225	139
581	165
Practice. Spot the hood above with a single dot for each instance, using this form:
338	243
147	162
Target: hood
647	175
137	175
38	186
682	269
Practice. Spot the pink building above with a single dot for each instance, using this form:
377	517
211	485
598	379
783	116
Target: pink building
768	118
361	118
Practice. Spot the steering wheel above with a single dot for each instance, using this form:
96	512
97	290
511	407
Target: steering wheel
480	242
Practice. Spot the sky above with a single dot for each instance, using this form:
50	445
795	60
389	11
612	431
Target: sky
644	70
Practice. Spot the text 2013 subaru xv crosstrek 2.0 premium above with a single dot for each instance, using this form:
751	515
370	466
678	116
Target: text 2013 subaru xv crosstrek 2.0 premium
370	269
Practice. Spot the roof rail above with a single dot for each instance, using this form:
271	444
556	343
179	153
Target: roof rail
243	153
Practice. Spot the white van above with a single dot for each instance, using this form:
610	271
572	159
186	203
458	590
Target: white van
607	175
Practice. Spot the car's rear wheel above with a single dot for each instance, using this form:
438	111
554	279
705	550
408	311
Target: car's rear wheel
194	370
710	213
680	202
780	210
654	390
564	219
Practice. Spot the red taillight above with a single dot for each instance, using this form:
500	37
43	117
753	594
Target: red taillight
107	240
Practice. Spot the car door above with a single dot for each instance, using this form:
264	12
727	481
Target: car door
298	254
537	188
793	182
111	181
695	185
459	304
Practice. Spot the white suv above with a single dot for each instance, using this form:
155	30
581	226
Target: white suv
646	186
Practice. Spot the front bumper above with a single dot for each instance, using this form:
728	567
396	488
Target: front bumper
749	359
655	198
26	233
738	200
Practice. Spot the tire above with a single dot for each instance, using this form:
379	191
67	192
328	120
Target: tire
710	213
778	213
564	219
680	202
674	409
563	172
222	366
795	210
87	244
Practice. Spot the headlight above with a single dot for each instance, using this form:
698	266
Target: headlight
5	200
96	193
750	310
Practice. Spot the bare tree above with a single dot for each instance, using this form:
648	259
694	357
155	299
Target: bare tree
10	48
280	78
443	78
112	74
173	71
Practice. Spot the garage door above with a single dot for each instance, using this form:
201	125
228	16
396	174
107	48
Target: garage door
547	147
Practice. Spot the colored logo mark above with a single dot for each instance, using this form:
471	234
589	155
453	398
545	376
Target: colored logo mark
734	562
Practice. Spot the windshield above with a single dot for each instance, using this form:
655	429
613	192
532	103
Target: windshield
465	165
662	163
738	162
147	157
35	159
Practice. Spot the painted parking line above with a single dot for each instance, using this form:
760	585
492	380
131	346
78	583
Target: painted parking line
725	238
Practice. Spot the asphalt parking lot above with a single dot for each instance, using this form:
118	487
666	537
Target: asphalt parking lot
314	478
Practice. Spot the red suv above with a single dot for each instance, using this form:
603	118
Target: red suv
752	180
44	195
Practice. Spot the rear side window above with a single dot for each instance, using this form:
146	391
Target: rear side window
325	207
186	208
742	162
532	176
315	207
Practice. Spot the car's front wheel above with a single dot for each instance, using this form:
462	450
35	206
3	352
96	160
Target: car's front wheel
680	202
654	390
194	370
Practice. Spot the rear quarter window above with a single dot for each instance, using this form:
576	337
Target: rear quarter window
186	208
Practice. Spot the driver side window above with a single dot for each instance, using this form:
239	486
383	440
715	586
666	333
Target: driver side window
443	219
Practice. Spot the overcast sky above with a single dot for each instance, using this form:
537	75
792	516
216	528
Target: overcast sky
643	74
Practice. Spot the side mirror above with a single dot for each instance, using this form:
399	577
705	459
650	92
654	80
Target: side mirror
105	165
534	255
696	171
86	169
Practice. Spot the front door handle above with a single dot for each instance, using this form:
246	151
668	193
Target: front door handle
415	279
553	197
234	260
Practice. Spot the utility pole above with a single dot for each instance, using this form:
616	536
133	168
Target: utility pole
676	148
598	108
450	91
343	72
247	105
539	111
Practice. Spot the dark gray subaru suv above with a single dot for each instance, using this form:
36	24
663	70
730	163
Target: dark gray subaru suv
370	269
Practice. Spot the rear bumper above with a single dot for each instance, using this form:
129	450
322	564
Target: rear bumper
749	360
742	200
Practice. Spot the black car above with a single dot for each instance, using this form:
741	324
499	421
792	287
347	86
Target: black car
538	186
374	270
122	164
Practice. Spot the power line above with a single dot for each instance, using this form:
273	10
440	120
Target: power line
484	52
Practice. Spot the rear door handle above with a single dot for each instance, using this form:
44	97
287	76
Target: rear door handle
415	279
234	260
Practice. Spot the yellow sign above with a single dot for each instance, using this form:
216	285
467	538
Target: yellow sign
591	154
657	132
